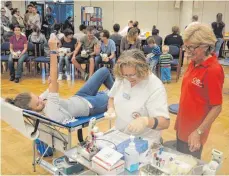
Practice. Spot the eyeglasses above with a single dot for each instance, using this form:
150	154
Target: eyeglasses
191	48
130	76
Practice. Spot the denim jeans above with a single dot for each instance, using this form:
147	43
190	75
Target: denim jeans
19	65
153	65
98	60
65	59
89	91
165	74
218	46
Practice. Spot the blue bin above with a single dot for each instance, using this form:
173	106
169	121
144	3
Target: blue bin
41	147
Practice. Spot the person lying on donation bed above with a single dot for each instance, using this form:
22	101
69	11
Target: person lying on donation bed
138	98
87	101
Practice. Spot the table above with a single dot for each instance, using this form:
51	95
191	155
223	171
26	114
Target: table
73	154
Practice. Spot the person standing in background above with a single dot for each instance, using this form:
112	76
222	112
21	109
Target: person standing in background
116	37
27	15
8	6
50	19
4	19
218	29
81	33
34	19
17	19
125	29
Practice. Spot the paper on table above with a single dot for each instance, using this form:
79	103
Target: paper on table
14	117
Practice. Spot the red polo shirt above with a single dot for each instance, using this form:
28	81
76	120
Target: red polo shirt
18	45
201	89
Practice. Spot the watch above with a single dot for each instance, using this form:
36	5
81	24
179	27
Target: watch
199	131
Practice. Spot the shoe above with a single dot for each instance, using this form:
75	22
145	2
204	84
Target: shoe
12	78
60	77
85	76
16	80
68	77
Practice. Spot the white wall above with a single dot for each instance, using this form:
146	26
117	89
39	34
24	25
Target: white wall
159	13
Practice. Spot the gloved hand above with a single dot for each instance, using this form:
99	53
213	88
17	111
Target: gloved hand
110	114
138	125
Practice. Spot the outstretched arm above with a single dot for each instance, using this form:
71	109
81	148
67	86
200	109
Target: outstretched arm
53	86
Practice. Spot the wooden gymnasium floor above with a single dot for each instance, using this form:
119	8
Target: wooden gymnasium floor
16	153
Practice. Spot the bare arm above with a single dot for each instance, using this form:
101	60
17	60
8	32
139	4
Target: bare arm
77	49
110	103
11	49
163	123
25	49
53	86
210	118
112	55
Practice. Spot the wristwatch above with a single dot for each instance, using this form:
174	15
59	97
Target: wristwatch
199	131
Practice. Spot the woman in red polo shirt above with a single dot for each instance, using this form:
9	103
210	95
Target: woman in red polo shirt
18	51
201	91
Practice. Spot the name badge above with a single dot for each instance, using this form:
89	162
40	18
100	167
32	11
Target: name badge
126	96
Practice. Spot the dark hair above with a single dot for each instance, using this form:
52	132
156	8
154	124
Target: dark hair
49	9
14	11
22	100
17	26
57	27
99	28
90	28
155	31
135	24
134	28
116	27
68	32
82	27
7	3
36	29
106	33
131	21
30	5
195	17
219	17
11	26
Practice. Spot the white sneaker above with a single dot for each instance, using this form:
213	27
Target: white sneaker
60	77
68	77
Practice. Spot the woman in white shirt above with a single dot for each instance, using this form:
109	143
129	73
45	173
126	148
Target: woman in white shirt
138	98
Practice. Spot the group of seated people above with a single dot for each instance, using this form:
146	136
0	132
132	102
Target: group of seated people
85	48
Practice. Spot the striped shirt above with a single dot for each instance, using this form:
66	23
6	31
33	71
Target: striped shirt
165	60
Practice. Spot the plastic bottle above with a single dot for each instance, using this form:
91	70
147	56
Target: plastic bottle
131	156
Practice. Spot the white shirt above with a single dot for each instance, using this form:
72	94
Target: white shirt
124	31
78	35
8	14
147	98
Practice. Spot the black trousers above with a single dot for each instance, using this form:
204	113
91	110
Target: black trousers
184	148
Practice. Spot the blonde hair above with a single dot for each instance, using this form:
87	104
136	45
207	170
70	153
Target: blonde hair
150	40
132	58
175	29
131	35
165	48
199	34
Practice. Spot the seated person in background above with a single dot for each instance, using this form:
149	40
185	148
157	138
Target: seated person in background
165	64
57	32
4	19
130	41
17	19
138	98
89	44
18	51
108	49
81	33
174	38
67	42
37	36
116	37
154	56
98	30
7	35
155	35
87	101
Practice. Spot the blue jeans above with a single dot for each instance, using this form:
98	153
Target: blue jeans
165	74
89	91
98	60
19	65
218	46
65	59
